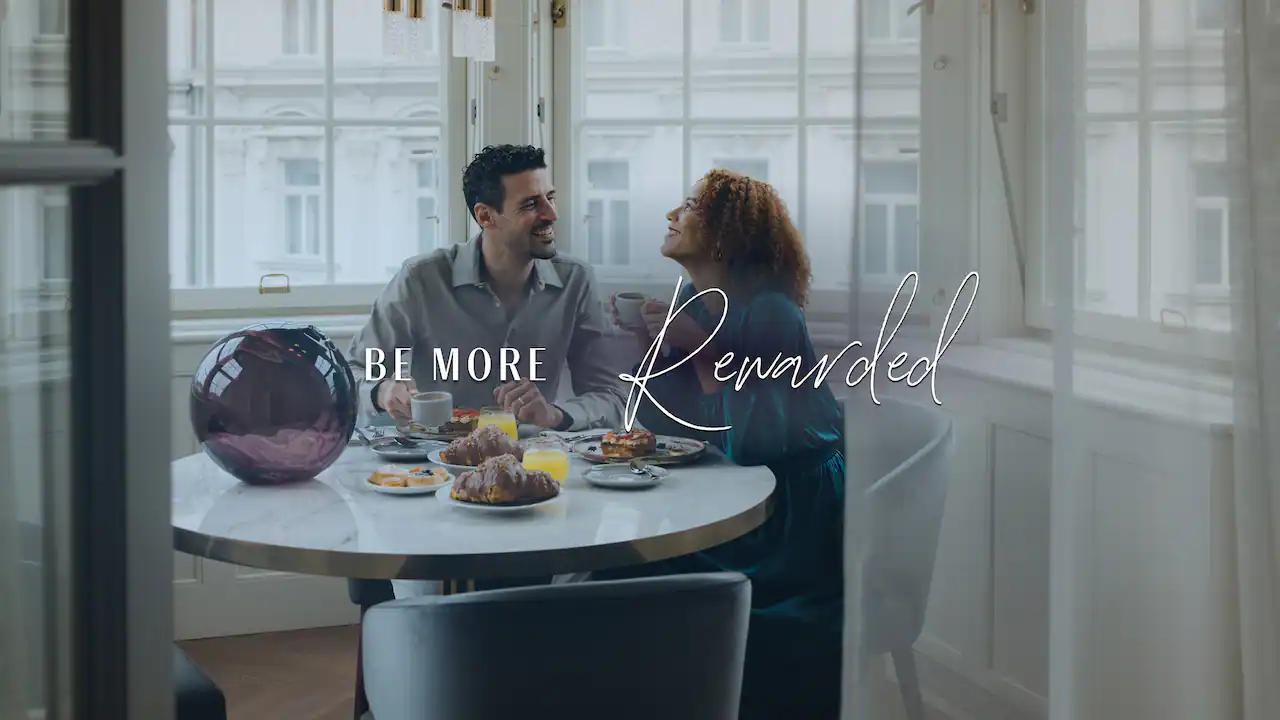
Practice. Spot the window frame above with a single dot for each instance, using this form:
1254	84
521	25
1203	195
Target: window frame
1193	9
417	160
304	193
1172	335
742	41
1223	206
614	27
454	126
607	198
308	44
897	21
891	202
59	34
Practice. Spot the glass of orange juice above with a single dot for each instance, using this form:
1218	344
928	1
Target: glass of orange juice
549	455
506	421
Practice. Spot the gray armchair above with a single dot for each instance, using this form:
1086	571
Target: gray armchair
669	647
899	461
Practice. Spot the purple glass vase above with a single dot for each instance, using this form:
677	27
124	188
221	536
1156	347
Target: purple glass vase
274	403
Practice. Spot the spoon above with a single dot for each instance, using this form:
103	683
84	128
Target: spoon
640	467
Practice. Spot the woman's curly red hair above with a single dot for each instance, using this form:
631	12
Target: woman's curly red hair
744	224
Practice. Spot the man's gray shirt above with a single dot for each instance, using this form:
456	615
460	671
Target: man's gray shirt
442	301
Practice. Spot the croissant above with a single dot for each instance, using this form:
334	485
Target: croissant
503	480
483	443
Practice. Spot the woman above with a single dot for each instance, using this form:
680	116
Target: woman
733	233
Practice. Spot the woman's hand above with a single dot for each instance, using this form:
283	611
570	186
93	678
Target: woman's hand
641	333
683	331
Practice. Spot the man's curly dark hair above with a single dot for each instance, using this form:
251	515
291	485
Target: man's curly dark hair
745	225
482	179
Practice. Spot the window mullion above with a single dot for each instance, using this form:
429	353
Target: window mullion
1144	159
210	145
801	213
329	160
686	97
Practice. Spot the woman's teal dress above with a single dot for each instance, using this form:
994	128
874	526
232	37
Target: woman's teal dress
794	560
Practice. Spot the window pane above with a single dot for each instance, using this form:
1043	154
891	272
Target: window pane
593	18
313	225
771	151
891	178
428	225
265	72
655	184
1209	250
188	250
1210	15
1111	51
620	228
53	17
904	239
33	76
188	81
754	168
828	212
878	15
758	21
908	26
302	173
876	241
595	232
373	81
293	224
57	260
1108	282
378	175
608	174
736	80
609	85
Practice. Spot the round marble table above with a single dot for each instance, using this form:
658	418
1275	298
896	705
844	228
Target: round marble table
336	526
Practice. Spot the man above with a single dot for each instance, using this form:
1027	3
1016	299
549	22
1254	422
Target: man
506	288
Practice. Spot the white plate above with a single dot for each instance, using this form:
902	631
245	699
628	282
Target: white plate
620	477
481	507
670	451
411	489
434	456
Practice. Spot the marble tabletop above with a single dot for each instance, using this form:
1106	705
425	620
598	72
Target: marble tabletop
336	526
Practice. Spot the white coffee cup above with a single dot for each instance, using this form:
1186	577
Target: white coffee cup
629	306
432	409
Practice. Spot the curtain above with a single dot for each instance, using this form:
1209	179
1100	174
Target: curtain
1163	235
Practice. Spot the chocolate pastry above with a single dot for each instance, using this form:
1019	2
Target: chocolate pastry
503	480
483	443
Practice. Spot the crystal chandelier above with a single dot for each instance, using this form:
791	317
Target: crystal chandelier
405	30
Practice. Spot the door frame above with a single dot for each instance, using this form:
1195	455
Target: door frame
108	572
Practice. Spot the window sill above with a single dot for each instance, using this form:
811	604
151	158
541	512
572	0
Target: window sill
1156	390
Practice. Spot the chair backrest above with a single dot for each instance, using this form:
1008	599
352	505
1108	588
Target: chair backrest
899	457
667	647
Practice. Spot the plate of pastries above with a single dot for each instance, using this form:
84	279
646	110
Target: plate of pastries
464	422
639	444
501	484
468	452
408	479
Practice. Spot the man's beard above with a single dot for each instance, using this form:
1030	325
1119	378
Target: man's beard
540	247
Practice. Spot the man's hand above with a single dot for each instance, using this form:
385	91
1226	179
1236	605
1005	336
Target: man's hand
524	400
395	397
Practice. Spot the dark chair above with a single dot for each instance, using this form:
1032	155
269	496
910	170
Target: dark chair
365	594
899	457
669	647
196	696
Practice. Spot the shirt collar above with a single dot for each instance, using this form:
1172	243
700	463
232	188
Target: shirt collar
467	263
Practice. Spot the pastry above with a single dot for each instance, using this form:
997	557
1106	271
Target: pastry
503	480
637	443
483	443
408	476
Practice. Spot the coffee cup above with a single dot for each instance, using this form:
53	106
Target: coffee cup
629	306
432	409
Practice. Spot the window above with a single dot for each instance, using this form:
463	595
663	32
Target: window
306	169
891	209
1150	204
1211	228
55	260
301	27
605	22
744	21
426	217
1210	15
677	106
754	168
608	212
302	208
53	17
888	20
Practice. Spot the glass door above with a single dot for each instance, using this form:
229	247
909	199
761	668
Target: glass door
85	599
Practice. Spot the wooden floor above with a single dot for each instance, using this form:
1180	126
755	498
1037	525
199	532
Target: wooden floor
303	675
